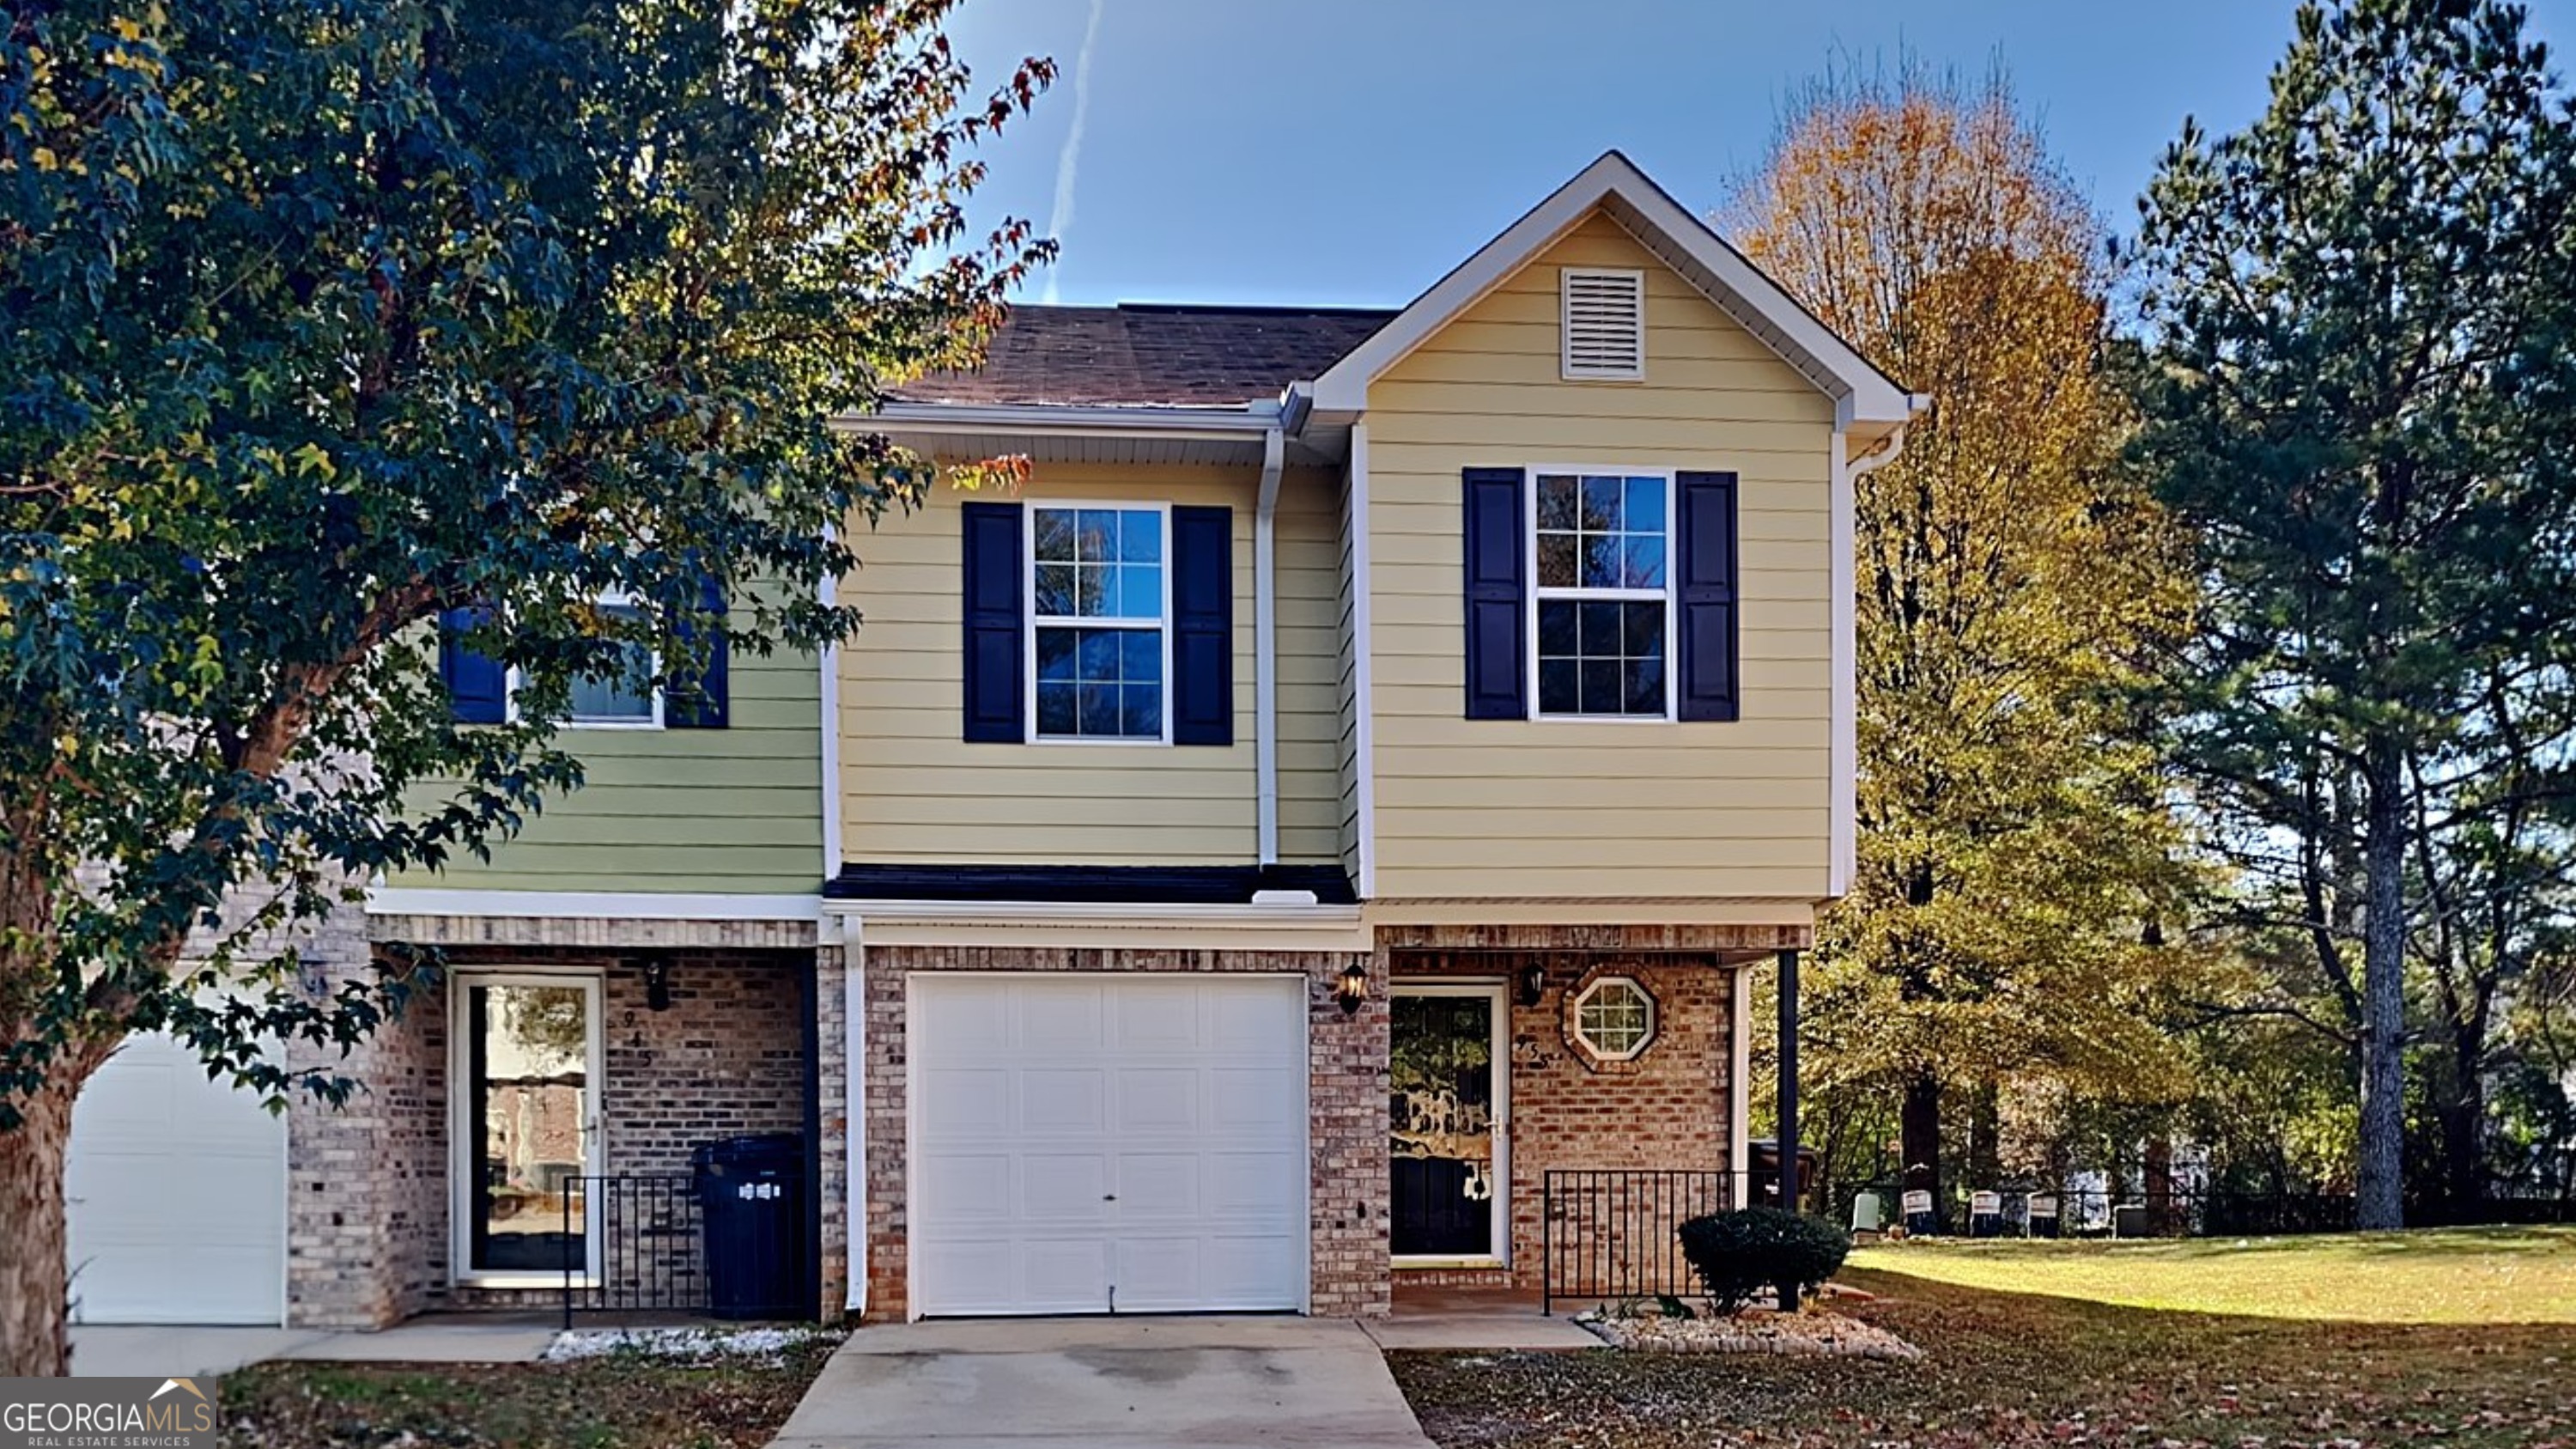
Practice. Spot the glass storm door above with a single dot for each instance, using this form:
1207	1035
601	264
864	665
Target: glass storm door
1445	1106
530	1083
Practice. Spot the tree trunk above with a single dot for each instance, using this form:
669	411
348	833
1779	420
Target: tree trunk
1919	1139
2463	1116
35	1284
1985	1137
2382	1203
2157	1170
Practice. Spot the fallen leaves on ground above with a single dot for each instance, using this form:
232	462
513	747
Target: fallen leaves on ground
626	1400
2005	1369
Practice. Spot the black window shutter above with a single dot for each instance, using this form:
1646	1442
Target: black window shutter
1704	635
705	703
478	688
996	712
1497	595
1202	692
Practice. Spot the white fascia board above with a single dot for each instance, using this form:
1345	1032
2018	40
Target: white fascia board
900	419
1739	287
592	905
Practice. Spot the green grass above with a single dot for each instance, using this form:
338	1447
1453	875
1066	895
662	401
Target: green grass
2462	1339
616	1402
2464	1276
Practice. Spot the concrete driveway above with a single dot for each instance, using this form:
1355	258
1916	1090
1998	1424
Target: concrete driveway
1106	1383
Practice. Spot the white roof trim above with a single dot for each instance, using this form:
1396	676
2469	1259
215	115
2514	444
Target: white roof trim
1614	185
919	419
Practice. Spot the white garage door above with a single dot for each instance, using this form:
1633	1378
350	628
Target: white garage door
177	1195
1097	1144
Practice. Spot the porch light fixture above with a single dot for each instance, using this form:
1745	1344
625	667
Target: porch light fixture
1533	985
1352	989
657	983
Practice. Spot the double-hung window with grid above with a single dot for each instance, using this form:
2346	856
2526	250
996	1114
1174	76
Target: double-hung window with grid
1099	601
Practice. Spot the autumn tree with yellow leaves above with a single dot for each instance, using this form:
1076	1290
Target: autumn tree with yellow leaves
2016	850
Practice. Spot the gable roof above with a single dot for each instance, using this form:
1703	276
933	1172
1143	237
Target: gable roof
1613	185
1151	355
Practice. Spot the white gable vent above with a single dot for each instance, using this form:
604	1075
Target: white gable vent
1605	323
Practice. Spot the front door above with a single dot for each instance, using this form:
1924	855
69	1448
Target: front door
527	1075
1446	1104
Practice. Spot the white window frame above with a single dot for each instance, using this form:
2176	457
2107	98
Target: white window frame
611	598
1670	593
1030	620
464	1132
1498	1061
1654	1023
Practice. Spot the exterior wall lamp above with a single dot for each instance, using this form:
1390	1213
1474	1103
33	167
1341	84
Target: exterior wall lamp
657	983
1352	990
1533	984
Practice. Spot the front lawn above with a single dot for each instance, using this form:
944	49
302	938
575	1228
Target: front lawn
2458	1275
621	1401
2392	1363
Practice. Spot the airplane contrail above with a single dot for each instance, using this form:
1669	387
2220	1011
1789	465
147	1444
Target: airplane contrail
1069	161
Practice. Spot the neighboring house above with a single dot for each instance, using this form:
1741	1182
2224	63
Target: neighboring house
1345	784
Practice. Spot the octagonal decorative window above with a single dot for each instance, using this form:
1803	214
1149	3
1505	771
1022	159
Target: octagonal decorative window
1614	1019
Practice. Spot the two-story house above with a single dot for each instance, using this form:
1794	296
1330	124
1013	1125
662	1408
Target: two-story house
1342	786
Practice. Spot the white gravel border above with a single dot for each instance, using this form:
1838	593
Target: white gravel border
573	1345
1814	1331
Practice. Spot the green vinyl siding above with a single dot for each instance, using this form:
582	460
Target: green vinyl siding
735	810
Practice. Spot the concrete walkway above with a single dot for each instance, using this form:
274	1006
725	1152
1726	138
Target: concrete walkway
1106	1383
105	1351
119	1351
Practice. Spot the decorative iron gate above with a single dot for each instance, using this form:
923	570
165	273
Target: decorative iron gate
1614	1233
649	1245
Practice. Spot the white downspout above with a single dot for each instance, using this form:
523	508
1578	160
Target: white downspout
1843	743
1265	645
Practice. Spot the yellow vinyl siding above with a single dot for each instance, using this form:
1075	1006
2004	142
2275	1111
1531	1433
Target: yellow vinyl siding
1502	809
913	791
1309	653
729	811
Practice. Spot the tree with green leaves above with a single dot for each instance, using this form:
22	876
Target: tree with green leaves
2014	838
321	321
2361	401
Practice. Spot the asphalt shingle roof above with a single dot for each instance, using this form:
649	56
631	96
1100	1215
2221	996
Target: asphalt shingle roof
1154	355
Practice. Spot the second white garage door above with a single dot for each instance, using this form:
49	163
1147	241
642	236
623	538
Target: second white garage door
176	1194
1108	1144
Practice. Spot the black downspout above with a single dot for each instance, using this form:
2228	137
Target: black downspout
1789	1102
809	995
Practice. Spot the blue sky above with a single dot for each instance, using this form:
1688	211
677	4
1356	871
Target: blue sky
1351	151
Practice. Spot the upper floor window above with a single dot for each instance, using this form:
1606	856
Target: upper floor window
624	695
1600	593
1602	604
1100	606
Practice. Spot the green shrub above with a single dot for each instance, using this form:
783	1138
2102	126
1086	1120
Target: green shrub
1754	1252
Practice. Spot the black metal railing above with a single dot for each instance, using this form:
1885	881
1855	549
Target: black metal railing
641	1245
1615	1233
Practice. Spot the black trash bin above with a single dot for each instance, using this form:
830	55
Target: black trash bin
751	1198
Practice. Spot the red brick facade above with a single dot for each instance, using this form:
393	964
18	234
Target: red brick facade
370	1216
1669	1108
